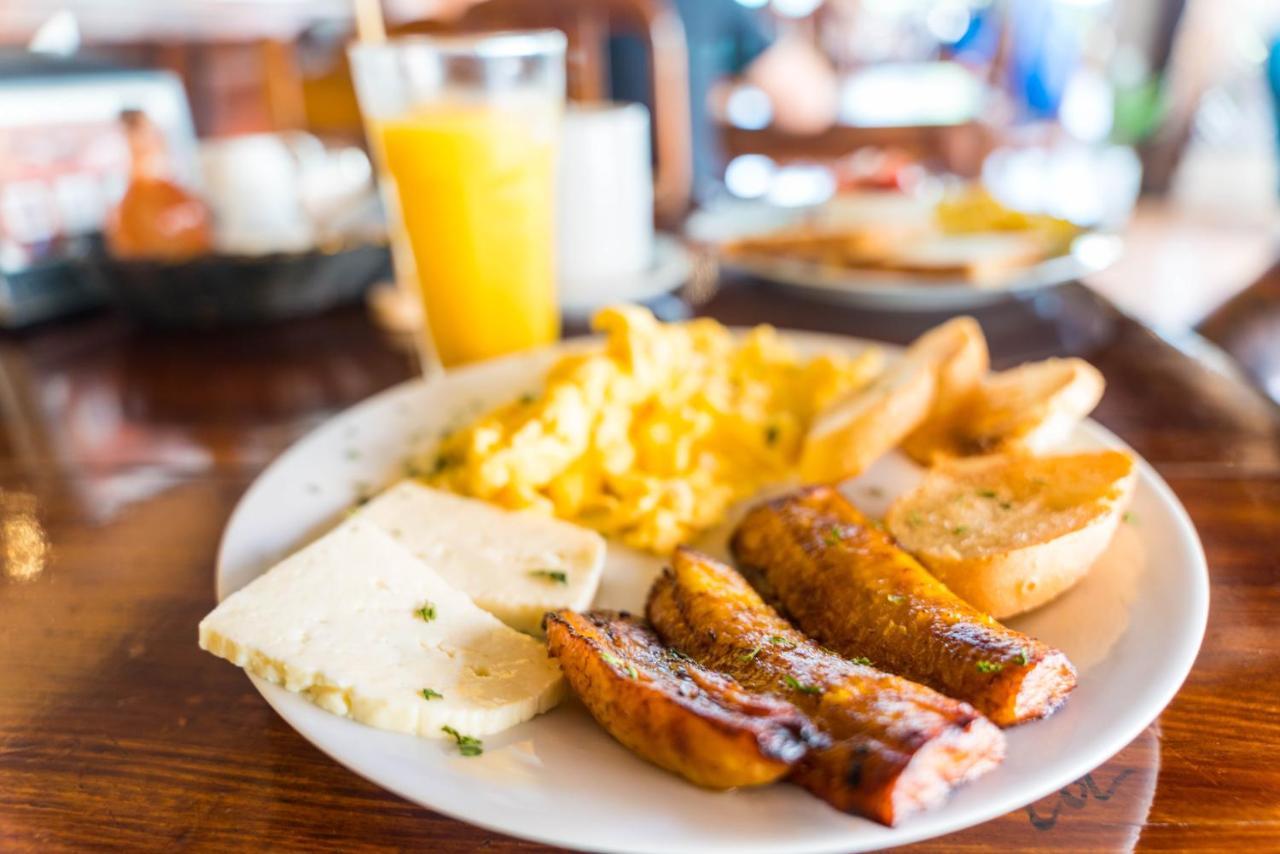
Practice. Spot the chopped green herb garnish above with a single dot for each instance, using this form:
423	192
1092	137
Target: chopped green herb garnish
618	662
1021	659
467	745
771	434
875	492
834	535
960	529
351	454
1006	505
990	667
750	656
678	655
428	694
862	659
427	612
986	493
443	461
796	685
555	576
528	398
895	598
779	640
1130	518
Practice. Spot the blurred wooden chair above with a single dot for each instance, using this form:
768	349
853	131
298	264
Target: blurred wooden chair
588	25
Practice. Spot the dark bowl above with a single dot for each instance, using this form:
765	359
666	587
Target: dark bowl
237	290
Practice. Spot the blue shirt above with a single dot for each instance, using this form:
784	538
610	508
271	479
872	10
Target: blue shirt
724	37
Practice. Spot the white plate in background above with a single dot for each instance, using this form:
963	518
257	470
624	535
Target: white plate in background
887	290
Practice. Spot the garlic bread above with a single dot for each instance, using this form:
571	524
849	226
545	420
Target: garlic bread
1009	533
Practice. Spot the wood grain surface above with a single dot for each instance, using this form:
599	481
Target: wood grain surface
123	451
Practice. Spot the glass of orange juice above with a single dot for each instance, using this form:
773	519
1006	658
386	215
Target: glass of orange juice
465	132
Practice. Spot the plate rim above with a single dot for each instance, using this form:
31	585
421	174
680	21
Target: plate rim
1178	662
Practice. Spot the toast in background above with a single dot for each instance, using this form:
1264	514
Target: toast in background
1027	409
1010	533
983	259
863	246
857	430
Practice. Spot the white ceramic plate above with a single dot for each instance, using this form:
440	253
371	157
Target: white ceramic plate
892	291
1132	627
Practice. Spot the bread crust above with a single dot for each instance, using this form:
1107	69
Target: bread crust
1029	409
1009	562
855	432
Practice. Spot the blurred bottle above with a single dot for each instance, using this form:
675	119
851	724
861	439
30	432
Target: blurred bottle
156	217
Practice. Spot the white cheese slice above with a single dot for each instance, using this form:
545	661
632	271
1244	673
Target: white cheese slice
517	565
340	622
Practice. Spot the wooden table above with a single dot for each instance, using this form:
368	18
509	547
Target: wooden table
122	454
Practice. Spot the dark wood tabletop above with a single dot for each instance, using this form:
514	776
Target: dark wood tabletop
123	451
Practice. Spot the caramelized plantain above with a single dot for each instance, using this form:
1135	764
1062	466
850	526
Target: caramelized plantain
843	581
897	747
671	711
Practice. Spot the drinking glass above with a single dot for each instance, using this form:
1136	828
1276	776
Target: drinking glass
465	132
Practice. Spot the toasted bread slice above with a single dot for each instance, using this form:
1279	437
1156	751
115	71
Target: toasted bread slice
1027	409
984	259
958	351
1009	533
858	429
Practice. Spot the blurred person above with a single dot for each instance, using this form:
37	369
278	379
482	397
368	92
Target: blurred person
729	44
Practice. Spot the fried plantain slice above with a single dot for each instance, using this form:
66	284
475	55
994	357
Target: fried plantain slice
897	747
671	711
843	581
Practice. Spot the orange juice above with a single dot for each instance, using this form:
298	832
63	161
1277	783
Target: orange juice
474	186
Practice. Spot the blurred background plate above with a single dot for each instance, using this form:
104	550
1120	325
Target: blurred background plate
1089	253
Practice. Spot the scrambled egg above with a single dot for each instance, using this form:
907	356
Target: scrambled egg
975	210
653	436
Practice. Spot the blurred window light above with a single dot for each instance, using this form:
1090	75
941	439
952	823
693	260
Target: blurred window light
748	176
1249	45
58	36
902	94
753	4
796	8
749	107
1088	106
802	184
948	22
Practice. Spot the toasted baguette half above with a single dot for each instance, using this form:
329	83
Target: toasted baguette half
1009	533
957	350
1028	409
858	429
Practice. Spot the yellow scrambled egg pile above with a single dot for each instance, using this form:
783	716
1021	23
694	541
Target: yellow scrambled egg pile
651	437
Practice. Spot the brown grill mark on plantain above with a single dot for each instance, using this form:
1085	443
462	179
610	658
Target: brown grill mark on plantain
897	747
670	710
844	581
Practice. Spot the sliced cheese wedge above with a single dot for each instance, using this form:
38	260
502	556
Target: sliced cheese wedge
362	628
517	565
